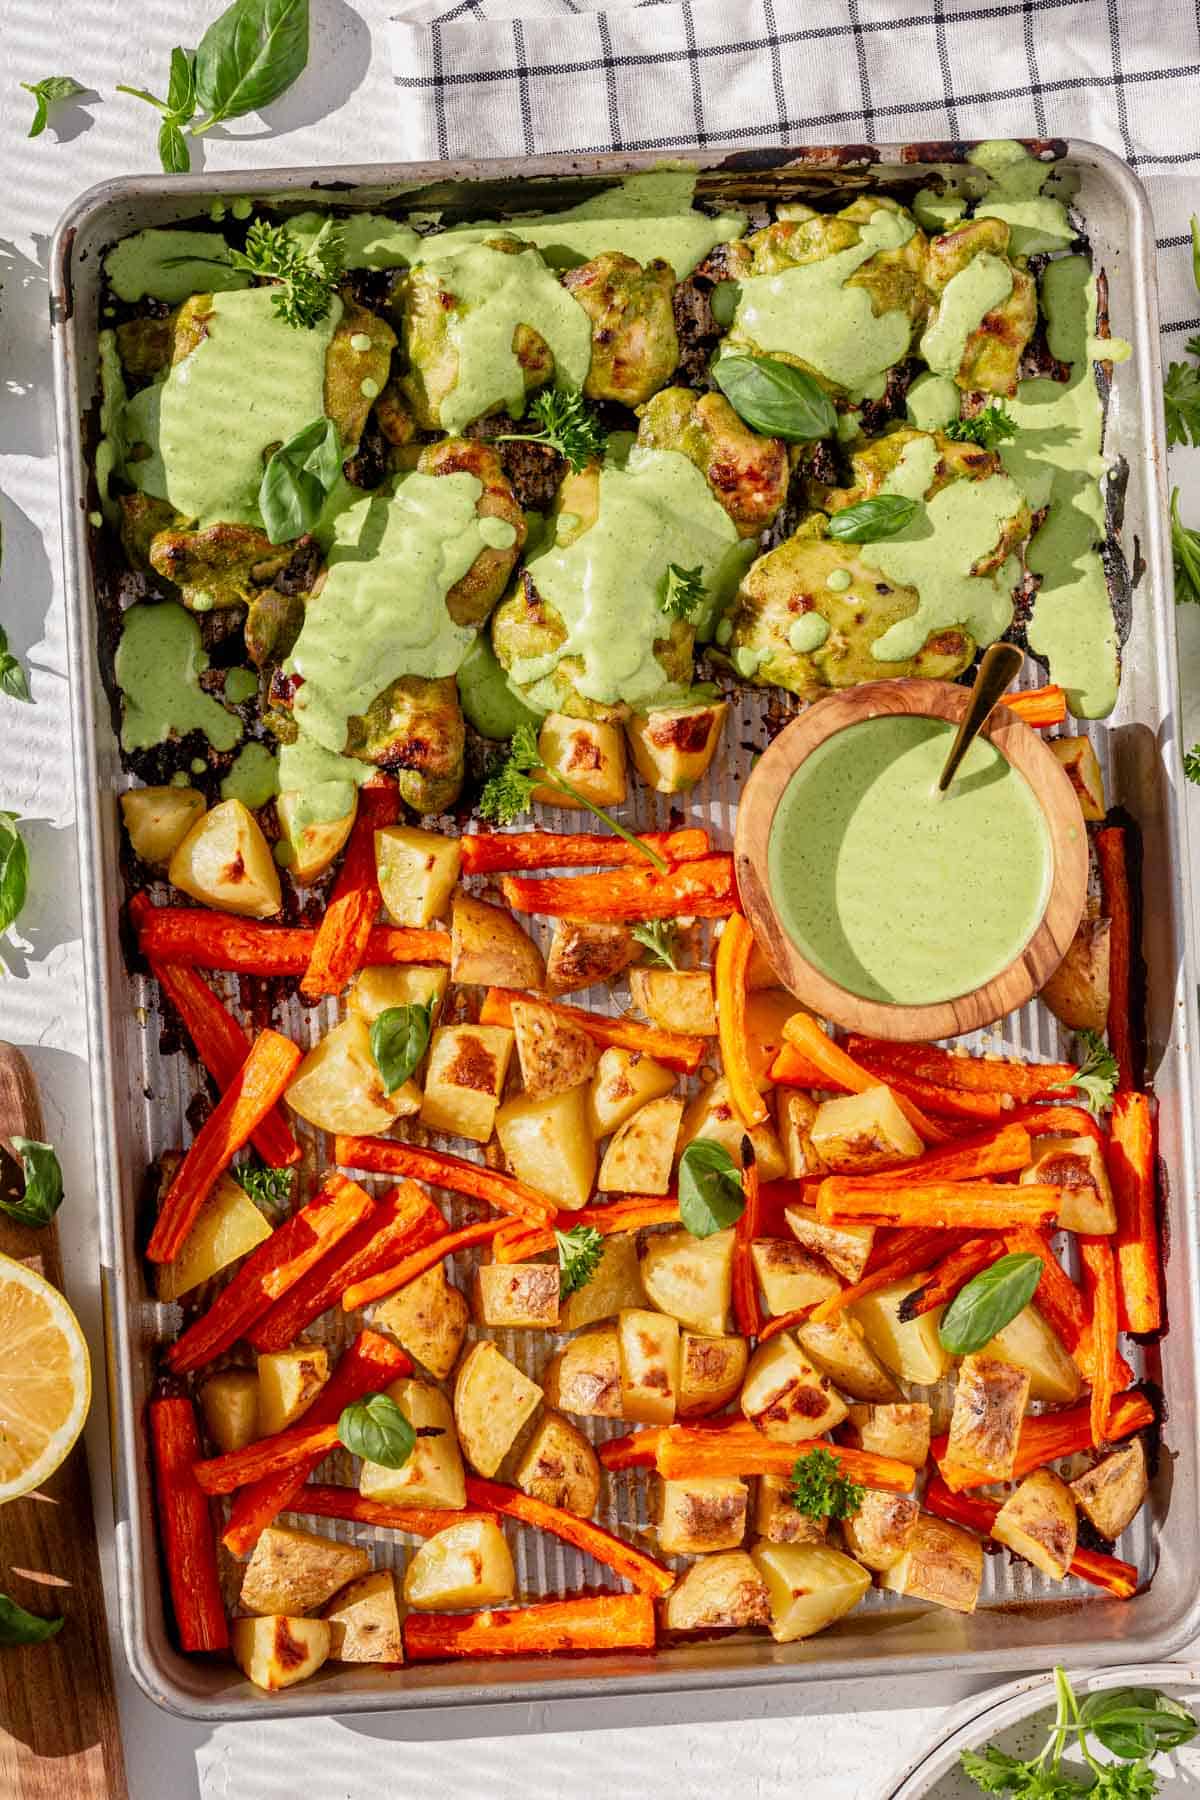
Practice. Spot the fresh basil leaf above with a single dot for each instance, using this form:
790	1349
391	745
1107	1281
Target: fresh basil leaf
871	520
375	1429
43	1184
14	870
45	93
775	398
181	86
173	152
13	680
399	1039
249	56
989	1302
297	480
1136	1722
710	1188
20	1627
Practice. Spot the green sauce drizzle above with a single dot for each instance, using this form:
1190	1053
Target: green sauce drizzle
965	302
169	265
254	777
159	661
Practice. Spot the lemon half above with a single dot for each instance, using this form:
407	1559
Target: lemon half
45	1379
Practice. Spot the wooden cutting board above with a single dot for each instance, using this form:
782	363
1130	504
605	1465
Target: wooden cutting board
60	1736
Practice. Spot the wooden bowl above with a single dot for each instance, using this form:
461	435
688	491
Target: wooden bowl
1015	984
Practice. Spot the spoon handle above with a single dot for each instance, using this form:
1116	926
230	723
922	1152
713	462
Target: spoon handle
998	669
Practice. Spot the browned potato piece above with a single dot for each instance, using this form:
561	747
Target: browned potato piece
417	872
553	1053
464	1079
901	1430
616	1283
859	1132
789	1277
785	1396
433	1475
588	753
1038	1521
1030	1343
429	1317
844	1247
910	1348
294	1571
878	1534
492	1400
713	1115
338	1087
690	1278
228	1226
676	999
277	1652
710	1372
159	818
487	946
314	842
989	1404
229	1404
517	1295
582	954
810	1586
1078	991
943	1564
700	1514
1079	760
777	1520
364	1621
1111	1492
467	1564
585	1376
639	1158
649	1348
794	1115
673	747
1077	1164
376	989
226	862
288	1383
838	1349
624	1081
547	1144
559	1466
722	1590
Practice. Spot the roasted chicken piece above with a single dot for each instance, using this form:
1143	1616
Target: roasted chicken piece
747	473
634	346
415	730
472	598
995	347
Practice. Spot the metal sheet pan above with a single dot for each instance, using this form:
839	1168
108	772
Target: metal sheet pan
138	1098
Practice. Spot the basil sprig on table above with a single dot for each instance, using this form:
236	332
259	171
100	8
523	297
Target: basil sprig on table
871	520
710	1188
43	1191
399	1039
775	398
988	1303
45	92
20	1627
375	1429
297	481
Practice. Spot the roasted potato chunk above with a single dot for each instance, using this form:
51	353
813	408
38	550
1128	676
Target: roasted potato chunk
615	1284
1111	1492
492	1400
639	1158
226	862
377	989
910	1348
809	1586
583	954
158	819
588	753
554	1054
624	1080
839	1350
648	1343
294	1571
844	1247
786	1397
417	873
464	1079
228	1226
942	1563
547	1144
1077	1164
878	1534
288	1383
900	1430
517	1296
700	1514
1078	992
277	1652
314	843
429	1317
859	1132
794	1115
488	947
338	1087
676	999
725	1590
1079	760
789	1277
560	1467
777	1520
989	1404
1033	1345
467	1564
585	1376
229	1405
713	1115
364	1621
711	1370
675	745
690	1278
433	1475
1038	1521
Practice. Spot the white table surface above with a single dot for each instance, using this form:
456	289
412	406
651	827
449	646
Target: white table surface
832	1743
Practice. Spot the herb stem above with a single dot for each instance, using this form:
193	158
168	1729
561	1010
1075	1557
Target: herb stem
560	781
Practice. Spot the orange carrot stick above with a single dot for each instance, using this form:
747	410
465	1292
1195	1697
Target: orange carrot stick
977	1514
1132	1168
276	1455
747	1312
741	1449
1100	1277
973	1074
189	1546
374	1287
549	1628
1117	904
636	1450
514	1245
733	961
343	934
196	939
842	1071
487	854
1048	1437
967	1205
952	1273
1049	1120
793	1069
920	1249
676	1049
438	1168
268	1272
367	1367
403	1221
1040	706
703	890
250	1096
943	1102
1058	1299
634	1566
327	1502
970	1159
784	1322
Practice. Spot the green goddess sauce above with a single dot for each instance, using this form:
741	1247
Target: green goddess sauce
932	402
369	240
488	702
254	777
1014	183
169	265
159	661
896	892
965	302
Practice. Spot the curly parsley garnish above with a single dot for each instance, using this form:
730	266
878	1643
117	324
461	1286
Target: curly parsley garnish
306	273
579	1252
568	426
1098	1073
270	1189
509	791
988	428
683	591
1185	555
820	1490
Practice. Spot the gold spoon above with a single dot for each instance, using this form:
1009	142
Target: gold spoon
998	669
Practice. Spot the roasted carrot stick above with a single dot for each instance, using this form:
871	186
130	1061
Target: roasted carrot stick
340	947
784	1322
973	1074
1057	1121
374	1287
367	1367
300	1444
403	1221
921	1249
842	1071
268	1272
793	1069
550	1628
1131	1166
1119	1578
675	1049
634	1566
515	1245
943	1102
438	1168
968	1205
703	889
636	1450
1047	1437
487	854
1117	903
747	1312
250	1096
1040	706
189	1545
1100	1278
971	1159
952	1273
196	939
734	948
741	1449
220	1042
347	1503
1057	1298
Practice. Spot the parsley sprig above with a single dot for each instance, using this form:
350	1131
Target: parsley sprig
270	1189
1191	763
567	425
989	427
509	791
820	1490
1181	398
683	591
1098	1073
1185	554
660	938
306	273
579	1253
